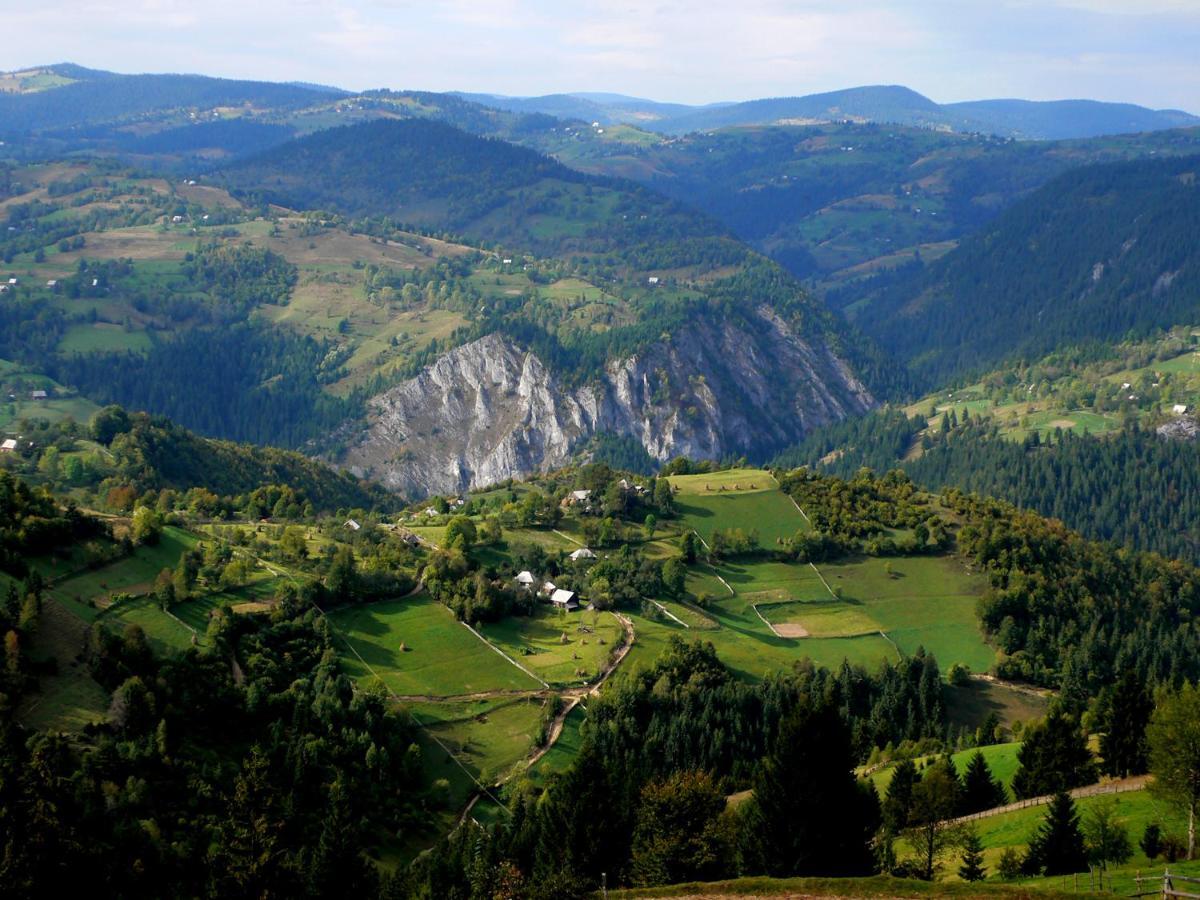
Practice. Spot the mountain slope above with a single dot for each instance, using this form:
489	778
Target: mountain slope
105	96
1097	253
1059	119
892	104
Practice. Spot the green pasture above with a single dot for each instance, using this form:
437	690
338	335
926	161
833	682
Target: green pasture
488	737
736	480
165	634
769	512
134	574
536	642
103	337
1001	759
441	656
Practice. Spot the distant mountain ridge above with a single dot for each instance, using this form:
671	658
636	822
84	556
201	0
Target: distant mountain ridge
66	95
895	104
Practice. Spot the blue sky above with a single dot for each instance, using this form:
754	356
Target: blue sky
1139	51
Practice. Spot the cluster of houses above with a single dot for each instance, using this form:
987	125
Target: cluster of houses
583	498
549	591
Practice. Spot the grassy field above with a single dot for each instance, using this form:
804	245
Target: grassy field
441	658
971	704
1135	810
165	634
771	513
69	699
925	601
135	574
489	737
536	642
877	886
102	337
737	480
1001	759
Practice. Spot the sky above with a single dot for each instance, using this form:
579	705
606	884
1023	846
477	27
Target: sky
1137	51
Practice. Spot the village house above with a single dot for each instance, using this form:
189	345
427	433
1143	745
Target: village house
1179	409
9	446
547	588
653	279
564	599
351	525
582	553
576	497
38	395
525	579
52	283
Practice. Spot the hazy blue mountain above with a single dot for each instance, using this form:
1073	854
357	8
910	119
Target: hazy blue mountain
893	104
1060	119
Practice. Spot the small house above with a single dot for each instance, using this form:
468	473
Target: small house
583	553
9	446
39	395
577	497
1179	409
547	588
12	281
564	599
176	219
507	262
52	283
525	579
430	511
351	525
653	279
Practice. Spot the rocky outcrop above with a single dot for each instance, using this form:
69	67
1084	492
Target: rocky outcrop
488	410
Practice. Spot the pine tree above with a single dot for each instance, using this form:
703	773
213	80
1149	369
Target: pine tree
898	800
810	816
1123	744
1053	757
980	789
972	868
1057	848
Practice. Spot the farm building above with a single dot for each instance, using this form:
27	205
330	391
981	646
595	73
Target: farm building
351	525
653	279
12	281
525	579
1179	409
577	497
583	553
8	446
547	588
52	283
38	395
564	599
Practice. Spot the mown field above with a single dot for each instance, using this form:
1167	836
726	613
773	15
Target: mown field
559	648
440	656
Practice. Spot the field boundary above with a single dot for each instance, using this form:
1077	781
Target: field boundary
505	655
1121	786
670	615
566	537
754	606
413	716
824	582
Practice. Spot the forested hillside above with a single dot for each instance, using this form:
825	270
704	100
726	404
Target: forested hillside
1101	253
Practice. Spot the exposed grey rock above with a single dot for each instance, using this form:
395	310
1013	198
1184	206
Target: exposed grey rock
1184	428
489	410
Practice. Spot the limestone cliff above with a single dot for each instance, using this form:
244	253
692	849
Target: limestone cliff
488	410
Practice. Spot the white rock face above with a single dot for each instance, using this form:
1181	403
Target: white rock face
488	410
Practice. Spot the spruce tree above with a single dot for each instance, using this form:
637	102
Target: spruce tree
898	800
1054	757
810	816
1123	744
1057	848
980	789
972	868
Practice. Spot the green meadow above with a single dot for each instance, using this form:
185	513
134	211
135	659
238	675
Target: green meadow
439	657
